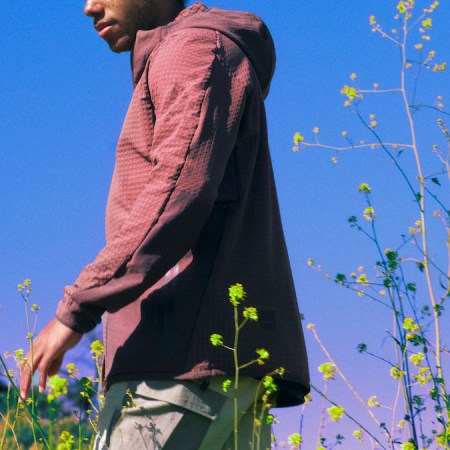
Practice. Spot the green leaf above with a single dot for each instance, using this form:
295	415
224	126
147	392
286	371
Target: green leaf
362	347
436	181
439	310
340	278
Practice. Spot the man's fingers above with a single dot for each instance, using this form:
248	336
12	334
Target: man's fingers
26	376
25	380
27	372
43	372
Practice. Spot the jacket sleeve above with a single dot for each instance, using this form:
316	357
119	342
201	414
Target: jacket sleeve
198	103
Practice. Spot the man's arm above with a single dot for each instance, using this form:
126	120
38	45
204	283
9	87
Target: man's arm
198	103
48	353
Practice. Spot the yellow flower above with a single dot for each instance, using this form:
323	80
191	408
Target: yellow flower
316	130
372	20
335	412
358	434
236	294
369	213
410	325
434	5
71	368
225	385
350	92
372	402
295	439
328	369
19	353
396	373
401	7
97	349
269	384
427	23
262	354
439	67
423	376
251	313
216	340
298	138
57	386
362	279
66	441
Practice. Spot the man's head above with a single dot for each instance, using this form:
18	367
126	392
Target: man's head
117	21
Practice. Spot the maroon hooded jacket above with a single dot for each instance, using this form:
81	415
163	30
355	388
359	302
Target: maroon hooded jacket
192	210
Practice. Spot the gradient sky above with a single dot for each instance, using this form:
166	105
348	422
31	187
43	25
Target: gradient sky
63	97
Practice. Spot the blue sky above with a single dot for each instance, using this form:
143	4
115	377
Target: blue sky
64	95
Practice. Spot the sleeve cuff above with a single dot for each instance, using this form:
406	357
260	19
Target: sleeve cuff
70	314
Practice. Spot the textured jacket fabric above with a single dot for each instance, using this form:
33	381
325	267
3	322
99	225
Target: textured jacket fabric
192	210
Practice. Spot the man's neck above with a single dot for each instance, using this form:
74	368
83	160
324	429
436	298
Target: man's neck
169	10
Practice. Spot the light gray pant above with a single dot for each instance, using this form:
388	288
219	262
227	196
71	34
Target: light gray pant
178	415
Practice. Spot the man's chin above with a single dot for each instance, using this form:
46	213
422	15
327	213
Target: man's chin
122	44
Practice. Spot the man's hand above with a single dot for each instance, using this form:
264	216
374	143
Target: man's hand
48	352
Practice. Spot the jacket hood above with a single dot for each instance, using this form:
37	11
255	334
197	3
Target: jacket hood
247	30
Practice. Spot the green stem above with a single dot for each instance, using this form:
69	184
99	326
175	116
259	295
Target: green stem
255	403
33	417
424	233
30	337
236	376
8	407
80	431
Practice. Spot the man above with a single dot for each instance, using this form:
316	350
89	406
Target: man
192	210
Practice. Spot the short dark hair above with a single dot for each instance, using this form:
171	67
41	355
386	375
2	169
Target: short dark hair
182	2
